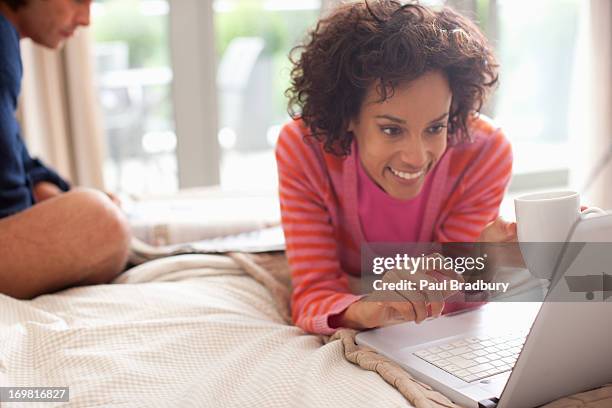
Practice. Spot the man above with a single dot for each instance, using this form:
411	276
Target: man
51	236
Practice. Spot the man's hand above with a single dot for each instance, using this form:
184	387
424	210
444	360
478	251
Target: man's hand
44	190
114	199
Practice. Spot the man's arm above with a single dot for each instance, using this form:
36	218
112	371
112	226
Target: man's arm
23	180
45	190
15	196
39	174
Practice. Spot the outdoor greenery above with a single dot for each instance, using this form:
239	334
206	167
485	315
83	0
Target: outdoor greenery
281	31
145	36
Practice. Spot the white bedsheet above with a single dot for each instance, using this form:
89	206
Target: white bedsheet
185	331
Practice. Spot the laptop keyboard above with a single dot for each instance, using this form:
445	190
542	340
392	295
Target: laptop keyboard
476	357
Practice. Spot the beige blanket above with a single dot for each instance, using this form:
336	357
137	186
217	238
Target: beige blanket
188	331
272	271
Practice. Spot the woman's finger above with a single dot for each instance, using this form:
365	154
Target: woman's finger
405	309
511	232
442	269
436	297
433	292
419	303
436	308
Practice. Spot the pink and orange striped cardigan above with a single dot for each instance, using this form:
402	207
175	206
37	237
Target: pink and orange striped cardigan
319	210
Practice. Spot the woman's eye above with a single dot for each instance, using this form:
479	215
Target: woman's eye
436	129
391	130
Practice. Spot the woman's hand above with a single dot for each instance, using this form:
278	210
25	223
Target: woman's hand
382	308
499	230
366	314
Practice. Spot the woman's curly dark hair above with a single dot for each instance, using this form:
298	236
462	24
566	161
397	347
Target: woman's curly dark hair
14	4
385	43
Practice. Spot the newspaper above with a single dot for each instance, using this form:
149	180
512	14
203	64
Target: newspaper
263	240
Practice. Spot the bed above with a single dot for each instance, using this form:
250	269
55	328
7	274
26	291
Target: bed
196	331
193	330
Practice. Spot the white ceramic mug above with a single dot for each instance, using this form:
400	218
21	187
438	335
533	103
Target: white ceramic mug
544	222
549	217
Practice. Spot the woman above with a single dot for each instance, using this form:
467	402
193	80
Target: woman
386	146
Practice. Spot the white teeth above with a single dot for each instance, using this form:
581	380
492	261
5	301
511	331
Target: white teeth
407	176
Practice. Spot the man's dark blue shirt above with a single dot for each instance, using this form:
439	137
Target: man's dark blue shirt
18	171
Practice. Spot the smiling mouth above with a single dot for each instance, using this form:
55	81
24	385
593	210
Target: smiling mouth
409	175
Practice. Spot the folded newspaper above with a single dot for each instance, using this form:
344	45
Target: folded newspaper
263	240
180	220
204	221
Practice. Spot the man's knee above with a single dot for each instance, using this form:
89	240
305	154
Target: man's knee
82	234
108	231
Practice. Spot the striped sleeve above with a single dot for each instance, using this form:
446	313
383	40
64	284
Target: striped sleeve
320	286
478	196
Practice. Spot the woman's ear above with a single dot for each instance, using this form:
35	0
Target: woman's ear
351	126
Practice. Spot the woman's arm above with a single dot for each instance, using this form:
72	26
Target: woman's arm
320	286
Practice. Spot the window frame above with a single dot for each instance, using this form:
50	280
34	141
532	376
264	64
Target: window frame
194	92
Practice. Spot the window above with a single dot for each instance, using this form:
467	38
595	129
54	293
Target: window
153	59
536	43
537	51
253	41
174	119
134	87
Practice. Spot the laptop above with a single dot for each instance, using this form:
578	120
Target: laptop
511	354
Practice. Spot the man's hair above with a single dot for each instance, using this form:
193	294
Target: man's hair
15	4
385	43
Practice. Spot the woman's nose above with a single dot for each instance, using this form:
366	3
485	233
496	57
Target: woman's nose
414	154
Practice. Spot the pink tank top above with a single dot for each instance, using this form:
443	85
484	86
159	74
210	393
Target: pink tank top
387	219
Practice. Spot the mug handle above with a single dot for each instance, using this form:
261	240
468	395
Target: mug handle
591	210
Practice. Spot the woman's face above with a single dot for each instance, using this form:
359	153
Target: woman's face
402	138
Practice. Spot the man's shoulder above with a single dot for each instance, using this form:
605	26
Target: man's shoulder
9	51
9	38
